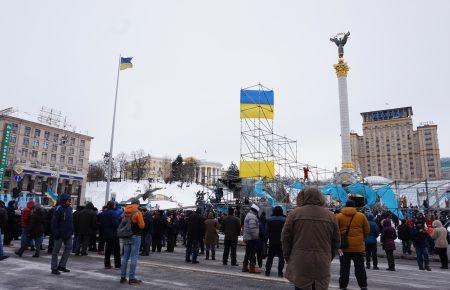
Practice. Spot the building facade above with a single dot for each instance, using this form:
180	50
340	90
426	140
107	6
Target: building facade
39	156
445	168
390	147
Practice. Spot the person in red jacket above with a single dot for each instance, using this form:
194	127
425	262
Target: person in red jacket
25	224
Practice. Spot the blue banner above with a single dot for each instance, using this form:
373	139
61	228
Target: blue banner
336	192
387	196
364	190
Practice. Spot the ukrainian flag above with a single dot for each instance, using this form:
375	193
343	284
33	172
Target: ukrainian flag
125	62
53	197
257	104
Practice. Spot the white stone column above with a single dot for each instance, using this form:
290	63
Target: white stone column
341	72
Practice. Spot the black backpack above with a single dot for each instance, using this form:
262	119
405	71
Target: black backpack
124	230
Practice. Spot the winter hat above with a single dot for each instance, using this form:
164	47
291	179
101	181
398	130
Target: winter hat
64	197
255	208
277	211
135	201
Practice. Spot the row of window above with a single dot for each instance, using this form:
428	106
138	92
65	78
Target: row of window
45	144
44	156
47	135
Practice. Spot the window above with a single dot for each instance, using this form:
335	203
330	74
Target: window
45	145
26	141
54	147
53	157
13	139
11	150
71	150
35	143
24	152
37	133
27	131
80	162
82	152
55	137
72	141
63	149
47	135
70	161
62	159
44	156
15	128
82	142
34	154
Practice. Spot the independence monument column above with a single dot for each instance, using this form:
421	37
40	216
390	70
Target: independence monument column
341	72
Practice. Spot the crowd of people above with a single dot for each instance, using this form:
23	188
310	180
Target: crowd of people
310	234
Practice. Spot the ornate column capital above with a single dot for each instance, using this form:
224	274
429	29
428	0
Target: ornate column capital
341	68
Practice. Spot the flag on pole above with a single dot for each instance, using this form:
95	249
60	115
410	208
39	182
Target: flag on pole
125	62
53	197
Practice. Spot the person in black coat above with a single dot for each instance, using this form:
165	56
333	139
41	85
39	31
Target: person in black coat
11	223
388	236
274	226
404	234
158	230
172	230
146	238
109	224
195	232
86	225
76	222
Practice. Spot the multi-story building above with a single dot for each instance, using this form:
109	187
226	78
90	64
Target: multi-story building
445	167
39	156
390	147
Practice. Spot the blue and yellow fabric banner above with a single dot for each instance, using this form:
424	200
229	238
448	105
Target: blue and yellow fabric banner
257	104
53	197
125	62
387	196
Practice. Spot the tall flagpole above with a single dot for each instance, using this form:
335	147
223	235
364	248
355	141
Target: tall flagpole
112	136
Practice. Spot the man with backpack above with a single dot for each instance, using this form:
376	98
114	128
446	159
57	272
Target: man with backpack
130	230
353	227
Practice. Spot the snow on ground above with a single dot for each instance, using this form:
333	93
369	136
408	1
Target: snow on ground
186	196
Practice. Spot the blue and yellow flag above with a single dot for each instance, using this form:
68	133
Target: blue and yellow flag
53	197
257	104
125	62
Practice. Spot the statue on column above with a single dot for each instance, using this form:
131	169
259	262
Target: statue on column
340	40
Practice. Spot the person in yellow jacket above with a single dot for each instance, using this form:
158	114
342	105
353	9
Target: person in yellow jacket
358	228
132	244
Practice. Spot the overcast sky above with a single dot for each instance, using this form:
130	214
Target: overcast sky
192	57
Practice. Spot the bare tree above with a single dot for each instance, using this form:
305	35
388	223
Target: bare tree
190	167
96	172
122	163
167	169
138	164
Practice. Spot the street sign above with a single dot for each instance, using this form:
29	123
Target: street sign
18	178
18	169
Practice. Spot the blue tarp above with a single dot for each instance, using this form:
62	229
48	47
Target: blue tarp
258	189
387	196
364	190
222	208
297	185
336	192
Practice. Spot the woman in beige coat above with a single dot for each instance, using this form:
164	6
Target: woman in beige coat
211	235
439	235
